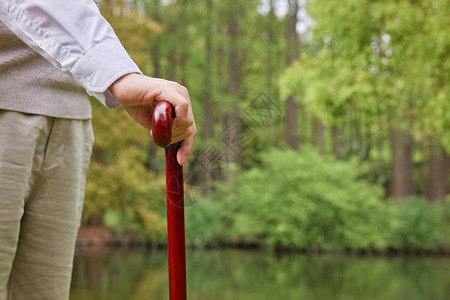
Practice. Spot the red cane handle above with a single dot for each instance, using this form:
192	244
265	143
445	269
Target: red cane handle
162	121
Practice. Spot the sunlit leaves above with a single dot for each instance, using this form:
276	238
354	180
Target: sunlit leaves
382	58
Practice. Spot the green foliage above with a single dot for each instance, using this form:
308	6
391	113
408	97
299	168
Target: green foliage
365	67
119	187
417	224
384	61
125	20
309	201
121	192
304	200
301	200
414	225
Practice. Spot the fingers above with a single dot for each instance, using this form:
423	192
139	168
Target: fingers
187	140
183	128
183	110
178	96
139	93
180	126
184	135
185	149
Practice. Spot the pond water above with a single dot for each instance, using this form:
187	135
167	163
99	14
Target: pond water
233	275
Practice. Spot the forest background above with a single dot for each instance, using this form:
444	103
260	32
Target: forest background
322	125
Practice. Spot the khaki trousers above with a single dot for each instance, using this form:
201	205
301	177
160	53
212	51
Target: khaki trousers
43	165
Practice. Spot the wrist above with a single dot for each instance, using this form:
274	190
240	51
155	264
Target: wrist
121	87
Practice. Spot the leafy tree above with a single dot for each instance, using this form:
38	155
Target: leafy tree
375	68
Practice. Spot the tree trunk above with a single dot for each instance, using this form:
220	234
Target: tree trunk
233	147
379	145
270	42
367	145
183	41
156	59
438	173
402	184
291	123
172	51
319	140
208	127
95	220
292	52
334	141
271	66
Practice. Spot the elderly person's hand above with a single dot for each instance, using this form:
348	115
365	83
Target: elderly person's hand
139	93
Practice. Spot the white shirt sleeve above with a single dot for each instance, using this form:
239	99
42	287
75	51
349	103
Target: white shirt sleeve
75	38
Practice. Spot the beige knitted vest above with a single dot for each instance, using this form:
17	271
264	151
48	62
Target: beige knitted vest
31	84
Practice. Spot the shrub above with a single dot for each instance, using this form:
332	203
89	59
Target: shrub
416	224
301	200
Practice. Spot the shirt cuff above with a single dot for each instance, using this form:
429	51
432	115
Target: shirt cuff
101	66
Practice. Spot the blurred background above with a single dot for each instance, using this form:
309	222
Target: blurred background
321	164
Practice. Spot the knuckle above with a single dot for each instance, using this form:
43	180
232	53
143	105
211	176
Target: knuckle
171	85
188	124
185	90
185	105
192	131
188	150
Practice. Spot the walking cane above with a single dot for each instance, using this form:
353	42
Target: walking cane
162	121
